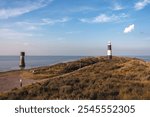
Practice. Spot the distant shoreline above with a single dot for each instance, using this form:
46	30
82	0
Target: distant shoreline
73	58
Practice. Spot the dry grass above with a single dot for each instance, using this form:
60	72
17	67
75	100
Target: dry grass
89	78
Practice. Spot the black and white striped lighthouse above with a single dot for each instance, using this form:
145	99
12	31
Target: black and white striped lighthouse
109	50
22	60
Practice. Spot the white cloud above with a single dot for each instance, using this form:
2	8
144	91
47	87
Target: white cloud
54	21
84	20
103	18
117	7
130	28
12	12
98	19
141	4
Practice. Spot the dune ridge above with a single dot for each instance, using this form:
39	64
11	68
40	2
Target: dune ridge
94	78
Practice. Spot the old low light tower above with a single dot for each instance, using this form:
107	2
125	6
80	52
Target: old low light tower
22	60
109	50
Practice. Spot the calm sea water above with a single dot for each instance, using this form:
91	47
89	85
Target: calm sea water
146	58
8	63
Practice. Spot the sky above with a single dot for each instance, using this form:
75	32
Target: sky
74	27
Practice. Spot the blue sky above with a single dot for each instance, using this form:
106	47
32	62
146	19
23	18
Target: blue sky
74	27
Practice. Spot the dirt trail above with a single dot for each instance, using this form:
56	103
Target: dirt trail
10	80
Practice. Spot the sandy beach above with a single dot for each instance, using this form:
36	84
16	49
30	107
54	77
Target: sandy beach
11	80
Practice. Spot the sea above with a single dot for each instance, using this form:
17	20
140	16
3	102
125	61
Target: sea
8	63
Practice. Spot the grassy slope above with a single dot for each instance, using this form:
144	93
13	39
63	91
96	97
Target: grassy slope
89	78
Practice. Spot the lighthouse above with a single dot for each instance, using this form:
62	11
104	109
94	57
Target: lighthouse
109	50
22	60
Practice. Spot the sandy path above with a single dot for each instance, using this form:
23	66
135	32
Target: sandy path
11	80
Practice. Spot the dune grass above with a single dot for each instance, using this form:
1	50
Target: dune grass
89	78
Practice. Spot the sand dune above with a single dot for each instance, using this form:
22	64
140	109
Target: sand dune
88	78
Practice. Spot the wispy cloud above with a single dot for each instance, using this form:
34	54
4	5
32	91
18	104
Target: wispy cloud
83	9
103	18
60	38
117	7
35	25
54	21
12	12
130	28
141	4
26	44
73	32
6	33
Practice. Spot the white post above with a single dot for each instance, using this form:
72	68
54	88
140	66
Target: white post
20	82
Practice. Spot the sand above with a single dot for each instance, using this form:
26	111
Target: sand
11	80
